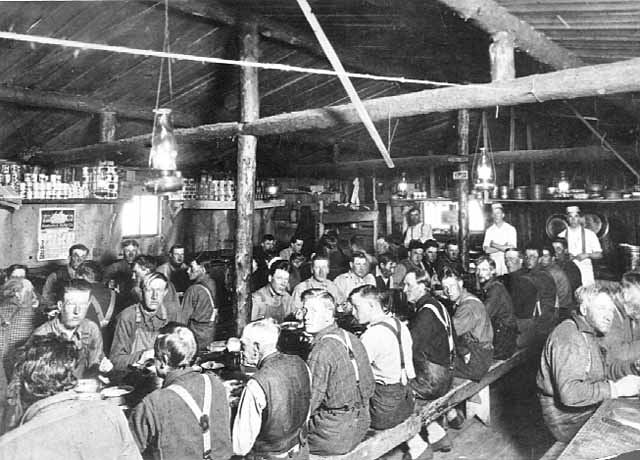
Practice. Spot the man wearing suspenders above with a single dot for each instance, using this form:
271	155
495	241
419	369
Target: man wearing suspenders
341	376
274	406
188	418
199	310
388	344
433	354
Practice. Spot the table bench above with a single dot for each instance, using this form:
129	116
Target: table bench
378	442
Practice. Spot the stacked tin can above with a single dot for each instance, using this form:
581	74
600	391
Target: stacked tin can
215	189
102	180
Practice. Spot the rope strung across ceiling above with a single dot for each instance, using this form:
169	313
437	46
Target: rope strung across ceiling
209	60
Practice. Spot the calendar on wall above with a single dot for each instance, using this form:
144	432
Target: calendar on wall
56	233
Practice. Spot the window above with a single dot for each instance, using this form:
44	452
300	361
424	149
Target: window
141	216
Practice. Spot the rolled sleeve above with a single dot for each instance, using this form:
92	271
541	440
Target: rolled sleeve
248	422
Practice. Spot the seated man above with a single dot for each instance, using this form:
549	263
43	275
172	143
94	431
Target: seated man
56	424
71	324
566	303
416	229
262	254
389	347
164	423
273	408
54	285
433	352
623	340
295	246
143	266
524	295
329	246
341	379
431	250
450	259
546	286
499	307
175	270
102	301
564	260
412	262
119	275
299	270
273	300
472	326
138	325
318	280
199	310
574	377
357	275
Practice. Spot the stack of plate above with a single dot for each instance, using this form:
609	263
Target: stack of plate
520	193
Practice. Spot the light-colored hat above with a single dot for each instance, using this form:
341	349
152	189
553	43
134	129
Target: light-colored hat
495	206
573	210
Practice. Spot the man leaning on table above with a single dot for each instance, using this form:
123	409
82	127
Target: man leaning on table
574	375
188	418
274	406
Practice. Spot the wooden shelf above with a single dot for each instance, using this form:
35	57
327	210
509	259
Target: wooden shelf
570	200
229	205
338	217
75	201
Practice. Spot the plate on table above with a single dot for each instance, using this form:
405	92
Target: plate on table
211	366
291	325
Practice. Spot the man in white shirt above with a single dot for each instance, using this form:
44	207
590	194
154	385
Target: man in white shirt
274	406
389	347
356	276
582	243
417	230
498	238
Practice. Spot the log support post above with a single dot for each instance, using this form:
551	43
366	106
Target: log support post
245	189
107	127
463	187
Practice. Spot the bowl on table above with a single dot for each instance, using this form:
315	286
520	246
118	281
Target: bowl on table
211	366
117	395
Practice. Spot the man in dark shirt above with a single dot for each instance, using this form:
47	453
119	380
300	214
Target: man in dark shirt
563	259
450	259
119	275
199	308
566	303
498	302
273	408
547	291
524	295
164	423
433	351
342	379
262	254
175	269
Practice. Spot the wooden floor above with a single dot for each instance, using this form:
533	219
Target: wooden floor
516	432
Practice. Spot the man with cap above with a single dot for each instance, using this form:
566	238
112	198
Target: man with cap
498	238
582	243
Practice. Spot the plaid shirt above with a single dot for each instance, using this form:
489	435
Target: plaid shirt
333	382
16	325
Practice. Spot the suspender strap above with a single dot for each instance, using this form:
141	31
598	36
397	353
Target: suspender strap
200	414
347	344
213	305
96	307
584	243
397	332
112	305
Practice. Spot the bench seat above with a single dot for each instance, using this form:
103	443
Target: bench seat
378	442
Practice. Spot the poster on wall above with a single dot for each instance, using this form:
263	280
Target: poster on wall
56	233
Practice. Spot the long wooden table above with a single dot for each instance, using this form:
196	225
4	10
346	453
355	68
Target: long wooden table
599	439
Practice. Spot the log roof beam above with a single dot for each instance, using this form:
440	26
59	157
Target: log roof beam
493	18
218	12
603	79
587	153
76	103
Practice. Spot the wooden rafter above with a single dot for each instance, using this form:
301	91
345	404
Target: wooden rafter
72	102
587	153
494	18
617	77
216	11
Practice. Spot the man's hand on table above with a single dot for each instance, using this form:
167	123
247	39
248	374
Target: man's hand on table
626	386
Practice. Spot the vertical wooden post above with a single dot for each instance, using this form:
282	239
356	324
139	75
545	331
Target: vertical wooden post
432	182
463	187
245	189
512	146
532	169
503	67
107	127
